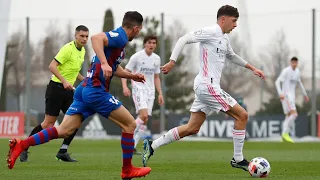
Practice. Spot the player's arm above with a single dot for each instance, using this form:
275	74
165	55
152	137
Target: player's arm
120	72
125	88
157	83
278	82
129	67
200	35
61	58
236	59
80	77
99	41
304	92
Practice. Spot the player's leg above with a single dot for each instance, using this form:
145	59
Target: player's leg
53	104
140	100
290	110
108	106
241	118
65	129
139	132
62	154
125	120
192	127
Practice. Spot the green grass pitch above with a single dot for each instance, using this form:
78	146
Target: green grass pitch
101	159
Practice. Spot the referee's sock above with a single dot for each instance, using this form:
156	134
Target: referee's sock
66	143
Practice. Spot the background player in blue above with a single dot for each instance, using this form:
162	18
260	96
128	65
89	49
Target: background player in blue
92	96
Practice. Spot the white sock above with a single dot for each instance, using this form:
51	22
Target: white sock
238	142
64	146
171	136
285	126
138	132
291	119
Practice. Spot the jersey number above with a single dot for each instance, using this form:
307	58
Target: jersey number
114	100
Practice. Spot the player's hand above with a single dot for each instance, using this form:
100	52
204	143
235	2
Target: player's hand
259	73
106	69
167	67
67	85
160	100
281	96
138	77
306	98
126	91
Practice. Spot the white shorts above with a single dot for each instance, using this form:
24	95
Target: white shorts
208	98
143	99
288	104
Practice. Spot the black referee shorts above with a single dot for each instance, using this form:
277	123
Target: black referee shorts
57	98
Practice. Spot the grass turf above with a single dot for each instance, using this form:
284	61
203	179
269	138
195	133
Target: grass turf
178	161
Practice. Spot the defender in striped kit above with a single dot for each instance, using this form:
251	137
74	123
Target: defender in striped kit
215	49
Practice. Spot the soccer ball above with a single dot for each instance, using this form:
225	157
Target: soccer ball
259	167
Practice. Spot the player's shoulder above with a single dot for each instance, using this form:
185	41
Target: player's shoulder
156	56
206	30
119	35
138	54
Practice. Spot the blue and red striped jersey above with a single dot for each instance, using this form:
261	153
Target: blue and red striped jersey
114	52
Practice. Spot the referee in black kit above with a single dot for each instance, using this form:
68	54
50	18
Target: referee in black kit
65	68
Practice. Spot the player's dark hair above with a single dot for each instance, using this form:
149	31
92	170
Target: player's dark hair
131	19
294	58
228	10
81	28
150	37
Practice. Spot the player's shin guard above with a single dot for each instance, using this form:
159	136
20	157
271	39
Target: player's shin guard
40	138
171	136
127	144
238	142
139	131
291	120
285	126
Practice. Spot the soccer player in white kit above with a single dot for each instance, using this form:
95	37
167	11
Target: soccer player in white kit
148	63
215	49
289	78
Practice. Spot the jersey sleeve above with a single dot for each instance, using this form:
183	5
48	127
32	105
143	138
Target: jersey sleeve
201	35
157	66
132	62
64	54
230	51
115	40
279	80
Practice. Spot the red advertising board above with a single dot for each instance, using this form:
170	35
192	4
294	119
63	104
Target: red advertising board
11	124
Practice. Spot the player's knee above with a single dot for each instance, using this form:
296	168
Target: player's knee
243	117
144	117
130	127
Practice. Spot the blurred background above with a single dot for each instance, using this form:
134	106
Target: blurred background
269	33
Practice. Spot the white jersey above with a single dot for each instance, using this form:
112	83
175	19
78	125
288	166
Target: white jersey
289	79
142	63
214	49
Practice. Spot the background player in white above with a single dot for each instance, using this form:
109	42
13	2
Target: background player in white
148	63
289	78
215	48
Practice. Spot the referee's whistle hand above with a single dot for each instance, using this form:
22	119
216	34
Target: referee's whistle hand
106	69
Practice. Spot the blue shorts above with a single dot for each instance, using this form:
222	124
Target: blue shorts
90	100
